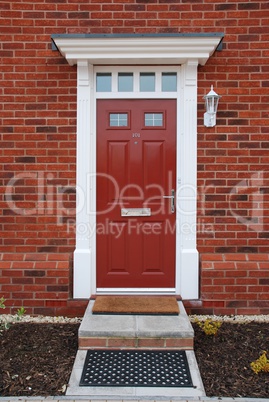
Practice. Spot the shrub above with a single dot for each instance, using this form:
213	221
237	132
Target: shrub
209	327
261	364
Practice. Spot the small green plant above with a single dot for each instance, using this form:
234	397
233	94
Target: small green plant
4	325
261	364
2	303
209	327
20	312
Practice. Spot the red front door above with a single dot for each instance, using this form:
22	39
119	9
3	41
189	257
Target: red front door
136	169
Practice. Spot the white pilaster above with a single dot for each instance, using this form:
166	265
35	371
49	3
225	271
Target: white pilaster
187	254
84	252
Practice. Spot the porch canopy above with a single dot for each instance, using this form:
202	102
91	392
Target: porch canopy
137	49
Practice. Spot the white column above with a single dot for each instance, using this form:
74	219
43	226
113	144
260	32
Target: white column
187	254
84	255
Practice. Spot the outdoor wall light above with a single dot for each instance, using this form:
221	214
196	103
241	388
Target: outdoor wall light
211	104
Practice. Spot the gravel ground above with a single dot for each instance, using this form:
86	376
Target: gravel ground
9	318
238	319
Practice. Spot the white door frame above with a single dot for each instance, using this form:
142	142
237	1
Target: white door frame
184	52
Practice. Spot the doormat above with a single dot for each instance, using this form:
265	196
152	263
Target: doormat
136	368
162	305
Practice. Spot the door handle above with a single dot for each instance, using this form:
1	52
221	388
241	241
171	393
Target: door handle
172	198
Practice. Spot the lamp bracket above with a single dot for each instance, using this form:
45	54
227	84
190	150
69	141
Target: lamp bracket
209	119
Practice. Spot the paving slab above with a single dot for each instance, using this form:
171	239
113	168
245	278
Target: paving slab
134	392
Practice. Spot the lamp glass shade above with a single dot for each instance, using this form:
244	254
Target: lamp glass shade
211	101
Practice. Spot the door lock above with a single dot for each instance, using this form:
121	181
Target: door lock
172	198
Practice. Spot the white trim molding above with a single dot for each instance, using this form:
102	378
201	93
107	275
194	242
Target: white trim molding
183	54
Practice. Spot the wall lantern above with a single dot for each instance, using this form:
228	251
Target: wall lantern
211	104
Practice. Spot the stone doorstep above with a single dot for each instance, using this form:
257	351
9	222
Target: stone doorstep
135	331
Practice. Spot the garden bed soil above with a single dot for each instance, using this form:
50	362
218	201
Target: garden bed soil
224	360
37	359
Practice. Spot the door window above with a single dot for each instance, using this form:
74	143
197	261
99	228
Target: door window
153	119
118	119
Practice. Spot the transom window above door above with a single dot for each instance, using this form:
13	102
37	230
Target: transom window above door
138	80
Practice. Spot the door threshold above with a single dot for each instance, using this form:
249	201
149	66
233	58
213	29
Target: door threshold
136	291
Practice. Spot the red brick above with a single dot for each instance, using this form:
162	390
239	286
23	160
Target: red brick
88	343
184	343
213	303
258	257
121	343
224	281
4	265
224	265
235	257
151	343
58	257
211	257
22	265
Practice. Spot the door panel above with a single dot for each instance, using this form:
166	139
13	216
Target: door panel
153	256
117	247
136	165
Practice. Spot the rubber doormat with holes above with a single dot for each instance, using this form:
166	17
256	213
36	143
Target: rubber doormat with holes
136	368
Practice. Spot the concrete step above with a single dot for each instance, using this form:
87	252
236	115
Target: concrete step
140	332
136	331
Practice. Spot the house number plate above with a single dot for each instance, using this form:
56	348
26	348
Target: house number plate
136	212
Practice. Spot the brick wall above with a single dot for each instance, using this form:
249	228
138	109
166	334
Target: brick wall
40	282
38	142
234	283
